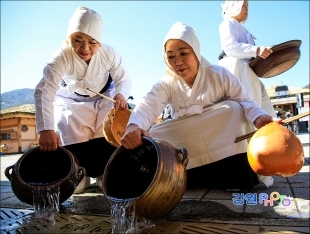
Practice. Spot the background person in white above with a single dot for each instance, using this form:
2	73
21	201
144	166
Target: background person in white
209	109
238	49
67	113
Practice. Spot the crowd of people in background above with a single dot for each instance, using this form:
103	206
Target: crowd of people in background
281	114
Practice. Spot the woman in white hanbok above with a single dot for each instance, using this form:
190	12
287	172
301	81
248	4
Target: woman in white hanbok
209	109
238	49
67	113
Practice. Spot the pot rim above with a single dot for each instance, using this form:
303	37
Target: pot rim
158	153
293	46
40	187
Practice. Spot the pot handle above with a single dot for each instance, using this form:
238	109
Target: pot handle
81	173
7	172
183	156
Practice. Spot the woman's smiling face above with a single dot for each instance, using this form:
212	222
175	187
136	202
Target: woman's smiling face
182	59
84	46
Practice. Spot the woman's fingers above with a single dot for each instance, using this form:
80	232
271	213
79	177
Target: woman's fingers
49	140
265	52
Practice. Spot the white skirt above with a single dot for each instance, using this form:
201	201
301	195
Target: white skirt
241	69
79	119
208	137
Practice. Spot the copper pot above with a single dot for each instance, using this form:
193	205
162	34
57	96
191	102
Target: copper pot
154	175
114	125
40	170
283	58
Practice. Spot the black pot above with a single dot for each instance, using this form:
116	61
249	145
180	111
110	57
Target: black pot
41	170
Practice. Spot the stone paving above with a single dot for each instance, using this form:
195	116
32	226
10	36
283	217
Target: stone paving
200	211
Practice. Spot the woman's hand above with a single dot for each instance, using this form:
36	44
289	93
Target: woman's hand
49	140
132	137
265	119
120	103
264	52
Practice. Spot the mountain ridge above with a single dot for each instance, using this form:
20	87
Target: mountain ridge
21	97
16	98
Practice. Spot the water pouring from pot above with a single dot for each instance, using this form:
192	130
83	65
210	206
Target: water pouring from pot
44	179
148	181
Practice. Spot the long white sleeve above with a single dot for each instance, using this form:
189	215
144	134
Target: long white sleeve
213	84
235	40
66	65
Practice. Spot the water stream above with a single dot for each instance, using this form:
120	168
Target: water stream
124	219
45	201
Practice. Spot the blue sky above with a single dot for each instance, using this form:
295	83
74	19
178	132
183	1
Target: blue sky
32	30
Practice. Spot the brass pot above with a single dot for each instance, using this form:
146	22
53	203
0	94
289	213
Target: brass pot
154	175
114	125
41	170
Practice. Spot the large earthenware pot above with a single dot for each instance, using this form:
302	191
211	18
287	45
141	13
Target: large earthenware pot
283	58
275	150
39	170
114	125
154	175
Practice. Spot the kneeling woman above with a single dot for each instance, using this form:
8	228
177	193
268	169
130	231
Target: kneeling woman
210	108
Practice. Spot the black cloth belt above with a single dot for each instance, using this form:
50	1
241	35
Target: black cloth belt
222	55
105	88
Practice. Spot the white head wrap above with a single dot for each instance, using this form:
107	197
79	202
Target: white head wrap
87	21
231	8
185	33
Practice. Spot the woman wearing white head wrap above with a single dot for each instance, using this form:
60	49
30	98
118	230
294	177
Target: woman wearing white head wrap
67	113
231	9
238	49
209	109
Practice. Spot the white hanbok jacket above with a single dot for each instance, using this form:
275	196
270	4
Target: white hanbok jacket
207	118
239	46
73	117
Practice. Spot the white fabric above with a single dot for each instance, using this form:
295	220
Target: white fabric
236	41
66	65
213	84
181	31
239	47
78	119
231	9
87	21
220	126
209	136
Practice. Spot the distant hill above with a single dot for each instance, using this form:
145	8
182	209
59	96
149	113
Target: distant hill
20	97
16	98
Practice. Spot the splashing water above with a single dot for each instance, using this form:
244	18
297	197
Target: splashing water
46	201
124	219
